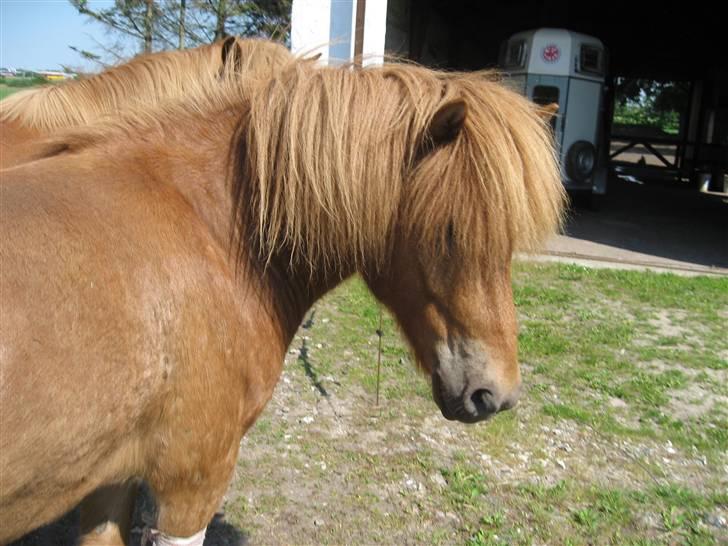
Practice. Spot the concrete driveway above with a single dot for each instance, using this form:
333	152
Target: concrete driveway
639	226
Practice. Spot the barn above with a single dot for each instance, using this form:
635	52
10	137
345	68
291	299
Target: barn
663	114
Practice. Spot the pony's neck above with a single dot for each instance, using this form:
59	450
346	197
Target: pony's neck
197	162
198	167
292	293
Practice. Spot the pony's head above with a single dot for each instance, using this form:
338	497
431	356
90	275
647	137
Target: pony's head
424	182
448	279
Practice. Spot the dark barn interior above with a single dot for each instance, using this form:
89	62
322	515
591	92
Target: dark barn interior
675	41
672	40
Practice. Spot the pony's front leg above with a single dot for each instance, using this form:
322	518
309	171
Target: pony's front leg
106	515
194	446
186	507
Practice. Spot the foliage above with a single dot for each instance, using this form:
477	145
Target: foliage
23	82
167	24
667	122
651	103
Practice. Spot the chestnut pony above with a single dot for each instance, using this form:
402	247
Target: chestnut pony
156	267
147	80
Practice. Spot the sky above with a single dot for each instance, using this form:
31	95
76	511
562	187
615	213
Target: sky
35	34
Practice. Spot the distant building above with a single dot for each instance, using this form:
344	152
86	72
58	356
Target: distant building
53	75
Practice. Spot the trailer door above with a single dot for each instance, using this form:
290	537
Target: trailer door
546	90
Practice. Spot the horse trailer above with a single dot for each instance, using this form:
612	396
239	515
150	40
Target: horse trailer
559	66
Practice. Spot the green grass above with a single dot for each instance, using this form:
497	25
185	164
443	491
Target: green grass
610	362
570	512
593	334
8	86
6	91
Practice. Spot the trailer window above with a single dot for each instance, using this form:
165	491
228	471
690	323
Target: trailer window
545	95
590	60
516	54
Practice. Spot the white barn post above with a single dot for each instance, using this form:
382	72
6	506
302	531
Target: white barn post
328	27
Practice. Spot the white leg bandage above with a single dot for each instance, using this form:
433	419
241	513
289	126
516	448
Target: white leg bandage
152	537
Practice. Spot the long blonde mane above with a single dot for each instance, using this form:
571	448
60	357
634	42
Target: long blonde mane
328	162
145	81
328	166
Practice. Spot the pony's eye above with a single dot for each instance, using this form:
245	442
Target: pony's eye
450	237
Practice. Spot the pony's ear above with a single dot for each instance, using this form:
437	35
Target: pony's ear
447	122
232	55
313	58
548	111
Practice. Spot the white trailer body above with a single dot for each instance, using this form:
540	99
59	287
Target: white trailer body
559	66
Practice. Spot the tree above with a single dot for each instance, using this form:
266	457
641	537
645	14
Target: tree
164	24
210	20
659	104
181	26
134	18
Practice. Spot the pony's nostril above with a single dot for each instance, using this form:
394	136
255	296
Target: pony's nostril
484	402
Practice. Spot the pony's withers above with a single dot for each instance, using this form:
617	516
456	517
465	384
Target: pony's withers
147	81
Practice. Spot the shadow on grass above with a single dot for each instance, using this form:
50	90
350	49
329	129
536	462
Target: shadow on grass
64	532
303	359
310	371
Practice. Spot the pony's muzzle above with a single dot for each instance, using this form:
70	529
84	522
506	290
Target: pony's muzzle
475	404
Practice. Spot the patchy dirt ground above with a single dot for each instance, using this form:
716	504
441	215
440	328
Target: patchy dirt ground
620	437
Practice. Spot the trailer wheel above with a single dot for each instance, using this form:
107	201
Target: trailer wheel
580	160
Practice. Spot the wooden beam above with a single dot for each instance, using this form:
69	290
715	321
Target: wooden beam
361	6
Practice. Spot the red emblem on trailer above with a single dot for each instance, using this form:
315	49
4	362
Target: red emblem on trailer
551	53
